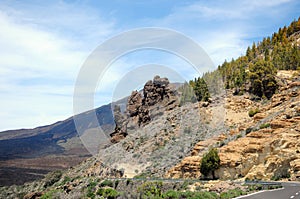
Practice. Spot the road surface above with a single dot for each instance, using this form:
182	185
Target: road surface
291	190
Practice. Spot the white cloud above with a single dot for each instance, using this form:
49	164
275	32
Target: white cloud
225	28
251	4
38	64
42	47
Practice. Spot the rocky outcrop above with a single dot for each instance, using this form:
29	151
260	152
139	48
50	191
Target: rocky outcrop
159	90
120	131
158	96
134	103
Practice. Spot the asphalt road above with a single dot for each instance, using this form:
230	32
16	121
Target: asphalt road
290	191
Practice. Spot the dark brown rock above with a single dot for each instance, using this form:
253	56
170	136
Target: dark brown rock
133	104
120	131
158	96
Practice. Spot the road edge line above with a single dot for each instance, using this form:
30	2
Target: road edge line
262	191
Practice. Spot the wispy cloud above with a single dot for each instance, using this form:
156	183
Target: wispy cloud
44	43
40	57
226	28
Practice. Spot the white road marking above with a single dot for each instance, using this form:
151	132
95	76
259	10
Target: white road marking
292	196
297	193
262	191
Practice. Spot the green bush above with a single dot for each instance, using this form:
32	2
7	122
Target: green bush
171	194
196	195
107	183
210	162
108	193
252	112
255	187
277	177
52	178
271	187
50	194
91	189
263	126
248	130
150	189
186	183
232	193
128	181
65	180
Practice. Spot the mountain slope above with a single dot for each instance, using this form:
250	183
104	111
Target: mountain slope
31	152
255	127
264	146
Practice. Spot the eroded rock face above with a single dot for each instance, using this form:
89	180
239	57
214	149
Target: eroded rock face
156	91
120	131
134	103
264	147
158	96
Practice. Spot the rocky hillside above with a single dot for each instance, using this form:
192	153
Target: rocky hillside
255	139
46	148
151	136
263	140
155	132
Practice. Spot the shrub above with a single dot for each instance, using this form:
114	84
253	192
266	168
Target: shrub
150	189
91	189
128	181
49	194
116	183
107	183
282	172
65	180
252	112
108	193
248	130
196	195
171	194
255	187
267	125
210	162
52	178
232	193
186	183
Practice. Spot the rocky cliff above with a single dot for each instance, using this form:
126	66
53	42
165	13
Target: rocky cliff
158	96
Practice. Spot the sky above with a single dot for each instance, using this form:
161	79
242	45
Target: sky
43	45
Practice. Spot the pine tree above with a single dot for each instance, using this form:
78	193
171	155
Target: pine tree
210	162
200	89
262	78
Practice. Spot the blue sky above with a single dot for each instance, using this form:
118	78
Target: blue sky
43	44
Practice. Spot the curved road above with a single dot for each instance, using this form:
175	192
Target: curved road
291	190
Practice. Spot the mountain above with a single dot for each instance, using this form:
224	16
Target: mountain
255	140
250	119
28	153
